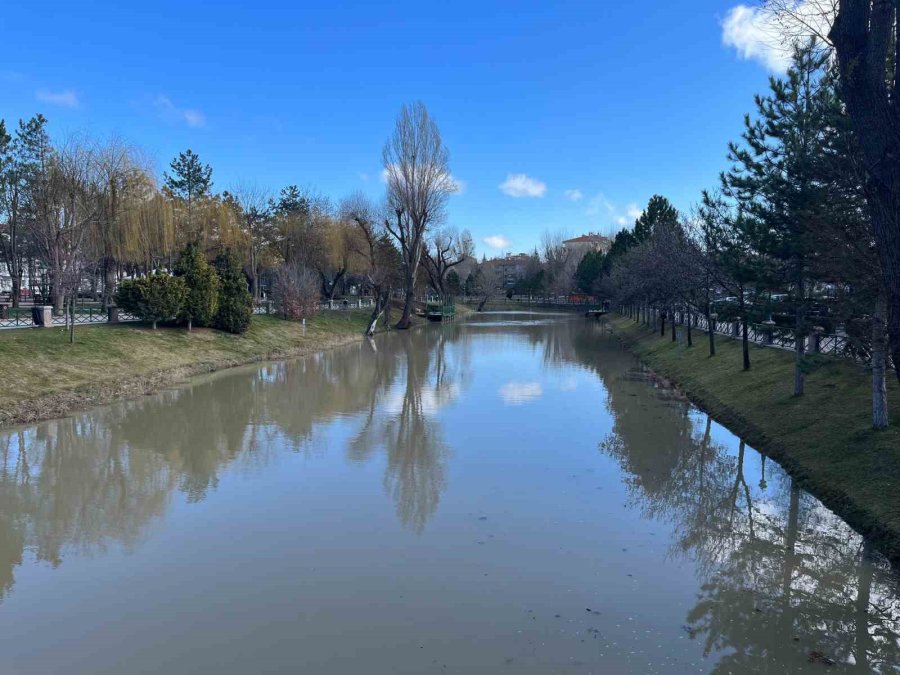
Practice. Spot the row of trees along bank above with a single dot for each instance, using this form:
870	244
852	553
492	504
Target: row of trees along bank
79	216
786	240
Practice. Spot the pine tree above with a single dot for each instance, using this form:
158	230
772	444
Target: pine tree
202	283
659	211
189	181
589	269
453	284
776	178
235	301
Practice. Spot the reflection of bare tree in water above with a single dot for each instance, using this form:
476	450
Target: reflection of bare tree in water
783	580
67	485
402	421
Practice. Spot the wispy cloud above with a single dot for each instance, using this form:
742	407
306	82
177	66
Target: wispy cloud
497	242
521	185
758	35
574	195
600	206
190	116
66	98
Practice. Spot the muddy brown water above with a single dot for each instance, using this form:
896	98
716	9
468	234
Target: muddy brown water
511	493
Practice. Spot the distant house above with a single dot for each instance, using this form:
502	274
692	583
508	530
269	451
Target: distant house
510	269
588	242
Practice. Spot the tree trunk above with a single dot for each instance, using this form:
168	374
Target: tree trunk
690	337
879	367
711	331
408	303
745	342
799	335
672	317
190	325
154	324
109	281
16	289
662	324
861	35
72	320
381	300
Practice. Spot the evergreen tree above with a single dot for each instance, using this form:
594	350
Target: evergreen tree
235	302
189	181
156	297
453	285
659	211
589	269
776	178
202	283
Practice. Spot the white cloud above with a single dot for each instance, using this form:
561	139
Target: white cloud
497	241
760	36
520	185
66	98
599	204
574	195
191	117
599	207
519	393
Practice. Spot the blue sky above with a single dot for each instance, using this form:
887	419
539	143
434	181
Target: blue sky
590	107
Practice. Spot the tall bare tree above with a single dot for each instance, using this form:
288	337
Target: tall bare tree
417	172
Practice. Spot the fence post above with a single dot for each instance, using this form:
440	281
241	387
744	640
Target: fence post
770	331
818	331
112	314
43	315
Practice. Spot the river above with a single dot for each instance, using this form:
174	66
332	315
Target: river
508	493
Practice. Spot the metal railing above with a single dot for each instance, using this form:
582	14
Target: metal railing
268	307
772	335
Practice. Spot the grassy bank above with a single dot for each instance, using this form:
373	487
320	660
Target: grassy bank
824	438
44	376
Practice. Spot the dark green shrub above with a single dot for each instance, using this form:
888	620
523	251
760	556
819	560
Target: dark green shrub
202	298
235	301
156	297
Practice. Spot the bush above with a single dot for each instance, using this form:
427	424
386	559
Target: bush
202	282
156	297
235	301
296	292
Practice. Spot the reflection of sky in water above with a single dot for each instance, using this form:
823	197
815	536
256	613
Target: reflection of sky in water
517	393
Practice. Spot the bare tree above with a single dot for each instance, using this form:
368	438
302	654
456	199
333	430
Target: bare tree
65	205
255	216
380	260
559	262
416	166
296	292
445	250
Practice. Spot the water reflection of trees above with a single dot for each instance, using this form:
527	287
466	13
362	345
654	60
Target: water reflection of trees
783	580
84	483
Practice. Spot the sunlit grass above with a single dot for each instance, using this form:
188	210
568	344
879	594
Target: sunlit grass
40	362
